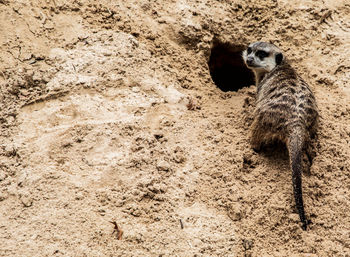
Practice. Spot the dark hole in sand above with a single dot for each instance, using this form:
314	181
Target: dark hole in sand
227	67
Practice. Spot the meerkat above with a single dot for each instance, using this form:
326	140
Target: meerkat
285	110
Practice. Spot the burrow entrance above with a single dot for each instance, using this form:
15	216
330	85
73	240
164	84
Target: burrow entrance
227	68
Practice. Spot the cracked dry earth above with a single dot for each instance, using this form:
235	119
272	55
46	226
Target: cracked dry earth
109	115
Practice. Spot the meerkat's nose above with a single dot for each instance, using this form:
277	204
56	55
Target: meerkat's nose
250	60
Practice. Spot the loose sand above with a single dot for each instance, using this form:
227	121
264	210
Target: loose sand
109	114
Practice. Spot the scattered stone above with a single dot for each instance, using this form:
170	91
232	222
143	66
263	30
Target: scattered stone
163	165
3	175
3	196
26	199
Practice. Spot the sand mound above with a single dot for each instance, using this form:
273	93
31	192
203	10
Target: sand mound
138	113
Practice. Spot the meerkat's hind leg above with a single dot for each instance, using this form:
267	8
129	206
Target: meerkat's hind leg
310	151
309	155
256	140
306	162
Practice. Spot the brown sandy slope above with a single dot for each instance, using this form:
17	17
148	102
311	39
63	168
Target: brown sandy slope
96	127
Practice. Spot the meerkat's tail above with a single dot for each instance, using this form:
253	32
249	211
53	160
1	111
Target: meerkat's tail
295	148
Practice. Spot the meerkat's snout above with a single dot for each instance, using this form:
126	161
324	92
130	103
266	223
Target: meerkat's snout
249	61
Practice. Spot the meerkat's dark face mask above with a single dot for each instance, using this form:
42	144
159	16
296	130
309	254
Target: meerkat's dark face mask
279	58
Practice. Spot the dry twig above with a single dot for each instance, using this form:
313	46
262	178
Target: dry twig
117	230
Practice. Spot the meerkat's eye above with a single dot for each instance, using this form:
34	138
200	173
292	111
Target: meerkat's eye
249	50
262	54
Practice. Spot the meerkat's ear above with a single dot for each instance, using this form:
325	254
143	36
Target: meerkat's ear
279	58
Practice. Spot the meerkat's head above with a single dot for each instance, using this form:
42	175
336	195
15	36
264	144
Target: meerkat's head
262	57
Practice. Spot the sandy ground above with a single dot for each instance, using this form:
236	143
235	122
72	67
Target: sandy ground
109	114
